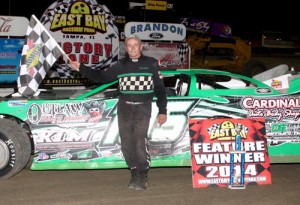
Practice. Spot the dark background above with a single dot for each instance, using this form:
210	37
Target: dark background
247	18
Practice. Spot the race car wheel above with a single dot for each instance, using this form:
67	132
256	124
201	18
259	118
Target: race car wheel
254	67
15	148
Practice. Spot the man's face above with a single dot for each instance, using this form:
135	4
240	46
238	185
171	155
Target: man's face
133	48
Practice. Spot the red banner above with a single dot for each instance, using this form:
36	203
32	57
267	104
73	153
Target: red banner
169	55
212	141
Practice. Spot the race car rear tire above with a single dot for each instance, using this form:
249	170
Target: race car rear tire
15	148
254	67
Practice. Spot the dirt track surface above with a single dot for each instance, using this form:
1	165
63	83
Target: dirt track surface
166	186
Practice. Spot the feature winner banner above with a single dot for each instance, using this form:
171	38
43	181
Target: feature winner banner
212	140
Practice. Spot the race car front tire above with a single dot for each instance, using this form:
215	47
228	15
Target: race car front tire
15	148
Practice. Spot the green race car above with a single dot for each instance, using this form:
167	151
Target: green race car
77	129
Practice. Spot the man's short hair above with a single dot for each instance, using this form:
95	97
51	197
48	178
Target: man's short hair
133	37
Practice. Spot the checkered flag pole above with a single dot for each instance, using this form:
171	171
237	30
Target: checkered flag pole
40	52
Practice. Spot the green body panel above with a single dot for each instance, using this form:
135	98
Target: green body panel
66	136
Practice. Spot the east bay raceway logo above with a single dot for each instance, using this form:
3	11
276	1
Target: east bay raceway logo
79	19
85	30
227	130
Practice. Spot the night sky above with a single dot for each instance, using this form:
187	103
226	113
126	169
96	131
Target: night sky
247	18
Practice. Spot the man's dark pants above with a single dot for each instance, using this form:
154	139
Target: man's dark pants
133	122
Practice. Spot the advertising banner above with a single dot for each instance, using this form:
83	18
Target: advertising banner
156	31
85	134
86	31
169	55
156	5
10	54
207	27
212	140
13	25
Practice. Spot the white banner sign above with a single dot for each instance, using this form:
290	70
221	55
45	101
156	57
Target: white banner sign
13	26
156	31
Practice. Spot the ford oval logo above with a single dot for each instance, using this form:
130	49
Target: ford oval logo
156	35
263	90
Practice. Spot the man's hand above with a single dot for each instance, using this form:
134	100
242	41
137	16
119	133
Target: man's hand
74	65
161	119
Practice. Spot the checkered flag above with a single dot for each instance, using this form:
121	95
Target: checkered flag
109	18
61	71
241	128
62	7
245	129
107	62
40	52
182	50
213	128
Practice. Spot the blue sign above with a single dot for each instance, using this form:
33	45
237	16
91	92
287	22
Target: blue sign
10	56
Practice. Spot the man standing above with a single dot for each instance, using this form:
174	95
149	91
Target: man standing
139	81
